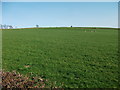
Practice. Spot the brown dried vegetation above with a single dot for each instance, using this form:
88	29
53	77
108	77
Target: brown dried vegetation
16	80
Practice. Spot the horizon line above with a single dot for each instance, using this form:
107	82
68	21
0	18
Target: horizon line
68	27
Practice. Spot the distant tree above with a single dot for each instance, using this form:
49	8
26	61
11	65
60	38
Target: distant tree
10	27
0	26
71	26
37	26
5	26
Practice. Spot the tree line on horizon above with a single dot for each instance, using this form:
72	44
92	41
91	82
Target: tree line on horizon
6	26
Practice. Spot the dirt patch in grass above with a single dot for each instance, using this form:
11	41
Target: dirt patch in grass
16	80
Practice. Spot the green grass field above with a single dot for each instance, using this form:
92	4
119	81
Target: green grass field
67	57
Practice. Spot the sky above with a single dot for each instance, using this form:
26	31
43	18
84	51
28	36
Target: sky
60	14
60	0
0	12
